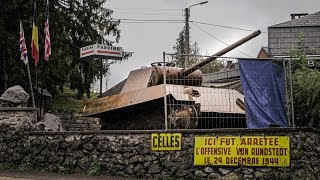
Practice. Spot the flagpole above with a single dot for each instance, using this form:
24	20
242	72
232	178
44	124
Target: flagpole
41	99
31	89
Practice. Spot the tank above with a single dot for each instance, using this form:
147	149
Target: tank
140	103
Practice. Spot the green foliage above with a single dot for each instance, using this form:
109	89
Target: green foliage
95	169
299	53
195	56
73	24
7	166
179	48
67	100
25	166
306	88
68	169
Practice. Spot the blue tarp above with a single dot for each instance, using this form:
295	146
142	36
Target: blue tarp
264	90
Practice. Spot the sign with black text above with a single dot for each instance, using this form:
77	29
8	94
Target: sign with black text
166	141
242	151
101	51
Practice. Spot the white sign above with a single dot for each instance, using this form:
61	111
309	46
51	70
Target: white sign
101	51
87	51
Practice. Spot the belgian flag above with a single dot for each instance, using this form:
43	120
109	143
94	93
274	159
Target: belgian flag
34	42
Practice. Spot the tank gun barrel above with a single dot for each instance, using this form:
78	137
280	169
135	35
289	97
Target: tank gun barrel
191	69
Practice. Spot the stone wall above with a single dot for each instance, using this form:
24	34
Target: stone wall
72	121
78	123
18	117
128	154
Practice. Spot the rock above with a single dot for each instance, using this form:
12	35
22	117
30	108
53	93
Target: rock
51	122
136	158
154	168
208	170
142	149
138	168
225	171
214	176
146	165
248	176
247	171
231	176
69	139
130	169
16	95
200	174
150	158
186	165
111	138
88	146
3	147
264	170
40	158
258	175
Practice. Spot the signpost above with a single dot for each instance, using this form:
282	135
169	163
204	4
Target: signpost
242	151
101	51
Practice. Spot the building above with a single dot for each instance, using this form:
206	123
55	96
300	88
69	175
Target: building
284	37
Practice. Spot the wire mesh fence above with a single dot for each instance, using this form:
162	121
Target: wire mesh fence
210	95
204	101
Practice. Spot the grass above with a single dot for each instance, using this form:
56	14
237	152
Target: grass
95	169
67	101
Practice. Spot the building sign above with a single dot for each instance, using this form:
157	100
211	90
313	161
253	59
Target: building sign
101	51
166	141
87	51
242	151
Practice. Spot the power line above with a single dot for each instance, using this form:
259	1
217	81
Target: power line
150	20
220	40
177	20
144	9
223	26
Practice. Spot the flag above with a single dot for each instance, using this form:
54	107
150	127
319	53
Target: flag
23	47
34	42
47	43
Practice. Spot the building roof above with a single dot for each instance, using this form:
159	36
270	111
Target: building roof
309	20
263	53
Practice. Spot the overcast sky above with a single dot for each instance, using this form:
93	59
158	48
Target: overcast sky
149	40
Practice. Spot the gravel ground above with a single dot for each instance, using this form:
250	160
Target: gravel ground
25	175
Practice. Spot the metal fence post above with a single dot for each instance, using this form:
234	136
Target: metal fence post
291	92
165	92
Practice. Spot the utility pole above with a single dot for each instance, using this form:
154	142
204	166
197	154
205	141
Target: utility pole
187	34
186	58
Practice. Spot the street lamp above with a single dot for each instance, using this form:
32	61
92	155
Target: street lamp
187	12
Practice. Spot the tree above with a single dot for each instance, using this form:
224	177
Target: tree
73	24
306	88
179	48
195	55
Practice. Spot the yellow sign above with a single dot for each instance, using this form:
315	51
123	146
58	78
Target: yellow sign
165	141
242	151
